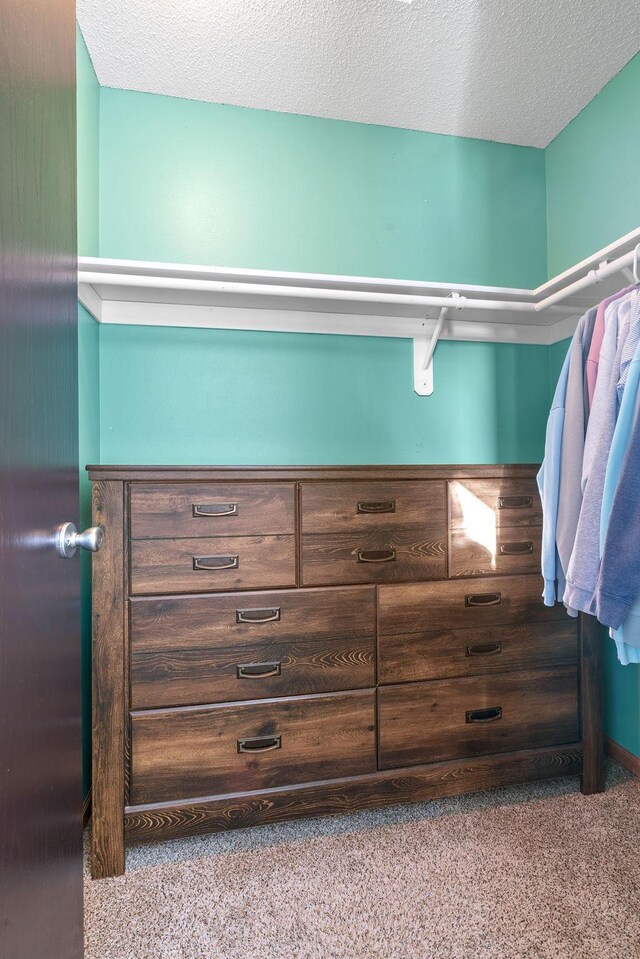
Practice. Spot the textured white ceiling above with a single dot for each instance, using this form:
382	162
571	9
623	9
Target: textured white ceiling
510	70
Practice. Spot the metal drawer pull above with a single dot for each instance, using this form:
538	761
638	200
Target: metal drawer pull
484	715
483	599
271	615
376	555
515	549
259	744
216	509
214	563
257	670
484	649
515	502
388	506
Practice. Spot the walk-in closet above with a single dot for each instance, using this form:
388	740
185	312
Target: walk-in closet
320	498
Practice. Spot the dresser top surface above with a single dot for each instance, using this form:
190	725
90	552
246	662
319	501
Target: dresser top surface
294	473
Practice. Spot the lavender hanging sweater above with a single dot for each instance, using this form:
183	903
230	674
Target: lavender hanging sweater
582	573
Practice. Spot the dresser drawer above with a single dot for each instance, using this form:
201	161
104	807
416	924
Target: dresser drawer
206	649
190	752
373	506
211	509
507	550
494	503
458	718
493	601
206	565
443	653
373	557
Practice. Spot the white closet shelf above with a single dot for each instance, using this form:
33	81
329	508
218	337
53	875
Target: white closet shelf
139	293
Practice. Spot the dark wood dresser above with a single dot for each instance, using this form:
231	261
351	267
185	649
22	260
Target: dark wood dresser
272	643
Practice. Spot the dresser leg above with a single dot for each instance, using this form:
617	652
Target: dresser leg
590	633
107	851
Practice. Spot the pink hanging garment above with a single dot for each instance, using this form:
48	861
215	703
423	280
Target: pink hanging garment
591	366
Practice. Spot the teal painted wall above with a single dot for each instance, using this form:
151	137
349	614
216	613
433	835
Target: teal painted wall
198	182
593	183
593	196
199	396
88	113
621	699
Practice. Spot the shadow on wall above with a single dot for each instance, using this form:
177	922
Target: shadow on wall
621	699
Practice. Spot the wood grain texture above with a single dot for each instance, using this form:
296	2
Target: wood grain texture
506	501
591	704
317	708
186	649
445	653
508	600
167	510
334	507
427	722
333	558
167	565
108	687
178	753
127	650
415	784
512	550
246	474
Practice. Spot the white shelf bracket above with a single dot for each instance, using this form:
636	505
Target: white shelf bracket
424	348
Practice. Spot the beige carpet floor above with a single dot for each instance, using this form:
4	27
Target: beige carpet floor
535	872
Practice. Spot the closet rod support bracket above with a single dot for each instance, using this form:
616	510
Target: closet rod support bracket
424	348
594	275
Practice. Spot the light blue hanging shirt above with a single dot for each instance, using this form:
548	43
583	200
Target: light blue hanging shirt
627	636
549	486
560	453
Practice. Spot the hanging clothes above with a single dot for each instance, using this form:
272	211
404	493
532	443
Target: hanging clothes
590	477
593	359
584	564
559	478
627	433
549	484
575	425
618	582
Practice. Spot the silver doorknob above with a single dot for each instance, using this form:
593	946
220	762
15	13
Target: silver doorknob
68	539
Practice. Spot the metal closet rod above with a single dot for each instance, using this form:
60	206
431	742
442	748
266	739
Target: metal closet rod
296	292
606	268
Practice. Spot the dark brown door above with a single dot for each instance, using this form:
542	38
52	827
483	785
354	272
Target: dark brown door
40	776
